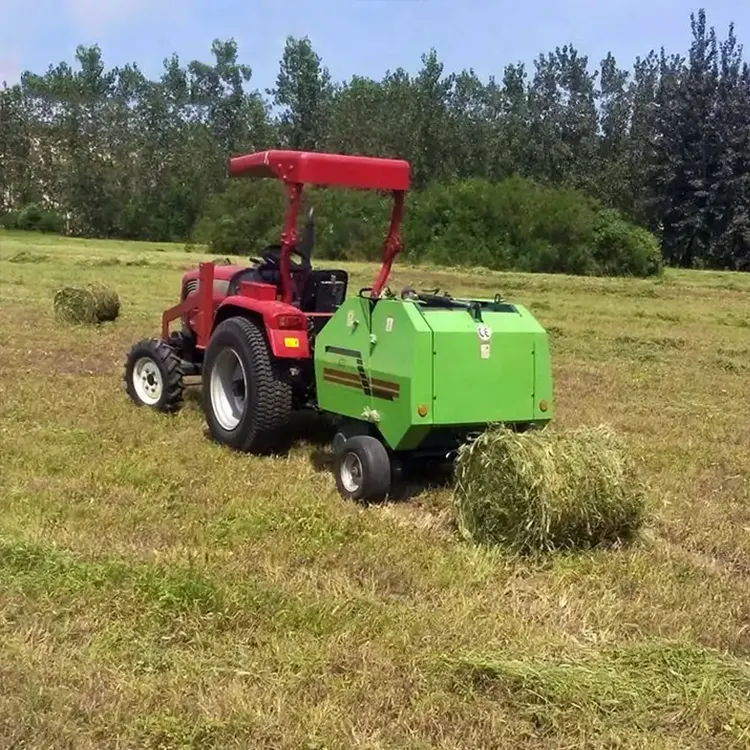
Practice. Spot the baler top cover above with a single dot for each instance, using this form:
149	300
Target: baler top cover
312	168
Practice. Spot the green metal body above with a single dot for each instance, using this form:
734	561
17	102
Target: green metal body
412	370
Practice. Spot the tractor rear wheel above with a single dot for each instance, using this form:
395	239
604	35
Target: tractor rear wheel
363	469
247	405
153	376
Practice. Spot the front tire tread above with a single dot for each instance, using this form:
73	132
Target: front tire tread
170	366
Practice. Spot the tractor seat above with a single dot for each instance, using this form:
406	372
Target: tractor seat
323	291
319	290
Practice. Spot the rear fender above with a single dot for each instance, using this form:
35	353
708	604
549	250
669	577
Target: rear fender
285	325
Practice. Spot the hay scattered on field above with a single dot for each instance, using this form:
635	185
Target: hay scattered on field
548	490
25	256
91	304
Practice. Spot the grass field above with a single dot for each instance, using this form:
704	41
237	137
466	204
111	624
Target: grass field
157	591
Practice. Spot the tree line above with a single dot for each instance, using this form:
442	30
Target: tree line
570	166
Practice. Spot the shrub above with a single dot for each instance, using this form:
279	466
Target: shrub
349	224
519	225
515	224
622	249
33	218
243	219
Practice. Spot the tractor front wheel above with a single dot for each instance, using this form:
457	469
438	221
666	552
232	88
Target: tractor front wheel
153	376
247	405
363	469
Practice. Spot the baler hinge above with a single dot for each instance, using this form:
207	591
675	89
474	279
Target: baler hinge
475	310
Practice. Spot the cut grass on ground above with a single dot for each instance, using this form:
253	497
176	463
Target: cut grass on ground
158	592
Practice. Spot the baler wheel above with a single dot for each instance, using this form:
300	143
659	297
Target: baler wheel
153	376
247	406
363	469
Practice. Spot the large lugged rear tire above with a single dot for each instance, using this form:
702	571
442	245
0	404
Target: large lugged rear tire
153	376
247	406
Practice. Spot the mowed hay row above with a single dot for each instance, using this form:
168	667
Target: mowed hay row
91	304
547	490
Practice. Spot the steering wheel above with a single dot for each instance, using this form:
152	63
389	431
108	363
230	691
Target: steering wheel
271	258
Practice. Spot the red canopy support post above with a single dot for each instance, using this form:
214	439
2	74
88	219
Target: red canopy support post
289	238
393	243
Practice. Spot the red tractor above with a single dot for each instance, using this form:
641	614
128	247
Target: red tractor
413	375
249	331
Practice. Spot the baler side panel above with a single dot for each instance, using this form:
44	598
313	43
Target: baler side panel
342	353
400	370
478	381
543	383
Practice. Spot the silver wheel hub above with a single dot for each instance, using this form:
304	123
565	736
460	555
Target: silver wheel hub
351	472
147	381
228	389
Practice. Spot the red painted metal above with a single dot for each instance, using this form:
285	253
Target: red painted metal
313	168
259	291
282	346
273	313
203	302
393	243
289	237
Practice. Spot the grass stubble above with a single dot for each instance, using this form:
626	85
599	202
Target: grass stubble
157	591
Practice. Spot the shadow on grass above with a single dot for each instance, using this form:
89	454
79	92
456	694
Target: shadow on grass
317	431
411	478
302	427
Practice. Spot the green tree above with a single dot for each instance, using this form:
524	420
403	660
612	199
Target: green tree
304	93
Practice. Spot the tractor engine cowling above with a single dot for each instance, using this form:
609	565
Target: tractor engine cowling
191	283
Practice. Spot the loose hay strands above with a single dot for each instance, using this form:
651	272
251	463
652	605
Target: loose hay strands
548	490
94	303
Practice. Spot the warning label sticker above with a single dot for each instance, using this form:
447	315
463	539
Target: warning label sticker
484	332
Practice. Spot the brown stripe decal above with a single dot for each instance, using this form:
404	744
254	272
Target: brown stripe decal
341	381
386	385
385	389
342	374
386	395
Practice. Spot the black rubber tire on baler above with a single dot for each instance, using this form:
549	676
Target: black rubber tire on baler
170	375
268	399
374	464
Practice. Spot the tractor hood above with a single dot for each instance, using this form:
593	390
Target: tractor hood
222	275
223	272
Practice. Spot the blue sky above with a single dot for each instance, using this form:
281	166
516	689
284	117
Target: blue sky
352	36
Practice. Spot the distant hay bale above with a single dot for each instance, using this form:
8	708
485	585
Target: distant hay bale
91	304
547	490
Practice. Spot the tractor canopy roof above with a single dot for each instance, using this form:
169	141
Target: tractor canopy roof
310	167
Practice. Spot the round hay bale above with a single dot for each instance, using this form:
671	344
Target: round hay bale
547	490
91	304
